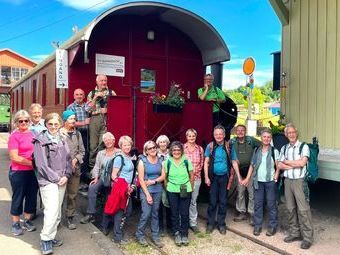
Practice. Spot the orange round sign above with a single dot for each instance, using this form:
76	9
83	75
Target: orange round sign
248	66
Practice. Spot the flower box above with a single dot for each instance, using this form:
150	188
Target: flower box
165	108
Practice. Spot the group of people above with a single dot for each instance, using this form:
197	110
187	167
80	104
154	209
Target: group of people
50	155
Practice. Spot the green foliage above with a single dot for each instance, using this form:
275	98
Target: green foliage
236	96
270	95
258	97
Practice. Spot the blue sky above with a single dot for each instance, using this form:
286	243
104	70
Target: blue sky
249	28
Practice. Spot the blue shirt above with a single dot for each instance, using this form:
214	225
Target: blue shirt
220	162
81	111
127	170
151	172
38	128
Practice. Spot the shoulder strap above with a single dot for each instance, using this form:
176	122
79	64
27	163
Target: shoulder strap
273	156
168	166
186	163
301	147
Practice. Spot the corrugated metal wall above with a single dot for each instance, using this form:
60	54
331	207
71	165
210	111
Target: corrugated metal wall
311	59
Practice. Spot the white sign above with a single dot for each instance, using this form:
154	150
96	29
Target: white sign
110	65
61	64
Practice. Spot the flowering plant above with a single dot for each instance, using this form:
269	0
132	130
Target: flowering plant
174	98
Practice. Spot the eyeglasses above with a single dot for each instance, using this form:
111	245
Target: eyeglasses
23	121
176	150
53	124
152	148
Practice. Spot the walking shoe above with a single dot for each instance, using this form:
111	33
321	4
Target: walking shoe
271	231
17	229
185	240
178	239
158	243
195	229
87	219
70	223
56	243
305	245
222	229
143	242
121	242
251	220
241	217
28	226
209	229
257	231
290	239
46	247
105	231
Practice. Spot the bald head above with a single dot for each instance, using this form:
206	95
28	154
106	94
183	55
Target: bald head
101	81
79	96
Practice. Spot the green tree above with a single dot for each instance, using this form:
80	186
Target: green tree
237	97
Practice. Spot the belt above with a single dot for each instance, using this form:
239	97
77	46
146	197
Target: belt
96	114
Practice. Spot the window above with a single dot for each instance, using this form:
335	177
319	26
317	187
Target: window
34	91
6	75
44	90
148	80
16	73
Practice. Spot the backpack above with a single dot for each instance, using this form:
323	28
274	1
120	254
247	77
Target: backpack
312	169
168	166
106	174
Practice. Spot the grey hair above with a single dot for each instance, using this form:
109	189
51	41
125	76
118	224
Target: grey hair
53	115
20	114
266	130
124	138
176	144
162	138
146	145
219	127
290	125
35	105
108	135
210	75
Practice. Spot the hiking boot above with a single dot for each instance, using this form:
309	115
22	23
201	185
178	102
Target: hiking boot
70	223
185	240
223	230
240	217
158	243
271	231
56	243
305	245
143	242
290	239
195	229
257	231
209	229
46	247
87	219
178	239
17	229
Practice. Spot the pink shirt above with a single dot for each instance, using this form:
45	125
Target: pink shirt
23	143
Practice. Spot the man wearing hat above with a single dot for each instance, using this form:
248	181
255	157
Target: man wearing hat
75	143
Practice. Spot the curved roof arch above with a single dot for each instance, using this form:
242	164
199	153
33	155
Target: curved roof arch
211	45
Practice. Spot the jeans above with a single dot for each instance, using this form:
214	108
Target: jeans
85	170
149	211
266	190
179	213
218	200
92	195
193	204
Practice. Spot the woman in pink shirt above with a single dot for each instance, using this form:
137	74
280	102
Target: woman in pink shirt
21	174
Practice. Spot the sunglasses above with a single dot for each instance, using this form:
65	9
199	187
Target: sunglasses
152	148
23	121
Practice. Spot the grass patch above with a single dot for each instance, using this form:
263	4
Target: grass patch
236	248
135	248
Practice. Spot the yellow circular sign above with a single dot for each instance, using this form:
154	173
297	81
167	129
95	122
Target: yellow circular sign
248	66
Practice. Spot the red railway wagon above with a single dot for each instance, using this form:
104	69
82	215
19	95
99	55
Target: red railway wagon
169	42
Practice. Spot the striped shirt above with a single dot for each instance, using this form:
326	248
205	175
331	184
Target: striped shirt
196	158
292	153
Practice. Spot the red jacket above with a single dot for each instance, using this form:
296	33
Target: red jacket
118	197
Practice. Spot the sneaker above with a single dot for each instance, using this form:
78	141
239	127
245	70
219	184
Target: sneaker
158	243
257	231
121	242
70	223
271	232
28	226
305	245
240	217
185	240
87	219
46	247
209	229
17	229
290	239
178	239
223	230
143	242
195	229
56	243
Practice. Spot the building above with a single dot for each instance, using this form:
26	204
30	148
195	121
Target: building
310	84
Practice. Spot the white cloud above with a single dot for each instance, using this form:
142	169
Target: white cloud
86	4
38	58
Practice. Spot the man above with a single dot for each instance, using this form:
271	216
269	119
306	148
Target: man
214	94
242	147
293	164
97	100
216	172
81	110
37	123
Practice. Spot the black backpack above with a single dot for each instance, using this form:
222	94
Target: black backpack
106	173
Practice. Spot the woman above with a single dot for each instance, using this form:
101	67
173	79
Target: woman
21	174
97	183
194	153
151	176
163	152
54	168
178	183
123	168
75	143
263	168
